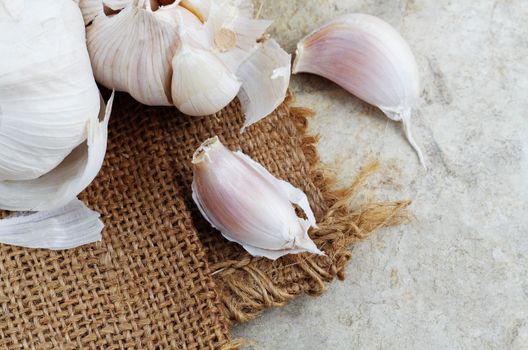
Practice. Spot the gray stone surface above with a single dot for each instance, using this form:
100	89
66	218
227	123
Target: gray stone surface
456	277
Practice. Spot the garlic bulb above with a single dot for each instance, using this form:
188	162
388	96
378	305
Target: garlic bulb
248	205
53	124
43	118
189	54
370	59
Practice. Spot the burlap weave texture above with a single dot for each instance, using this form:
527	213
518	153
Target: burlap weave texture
161	277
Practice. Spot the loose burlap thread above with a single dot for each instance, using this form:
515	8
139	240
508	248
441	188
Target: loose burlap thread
161	277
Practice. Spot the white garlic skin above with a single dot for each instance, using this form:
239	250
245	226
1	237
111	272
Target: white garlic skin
248	205
265	79
47	89
370	59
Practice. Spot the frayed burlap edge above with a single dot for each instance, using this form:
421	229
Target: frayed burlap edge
246	291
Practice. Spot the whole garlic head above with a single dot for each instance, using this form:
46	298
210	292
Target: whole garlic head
53	125
52	120
183	53
46	99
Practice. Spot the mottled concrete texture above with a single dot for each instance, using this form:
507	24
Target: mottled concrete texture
457	276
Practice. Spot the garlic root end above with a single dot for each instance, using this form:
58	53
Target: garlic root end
406	121
298	54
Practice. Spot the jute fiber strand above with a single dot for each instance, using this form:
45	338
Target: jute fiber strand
161	277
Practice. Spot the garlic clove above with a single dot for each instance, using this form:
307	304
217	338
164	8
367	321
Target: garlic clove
190	28
61	185
265	78
45	98
67	227
201	84
370	59
232	35
248	205
131	51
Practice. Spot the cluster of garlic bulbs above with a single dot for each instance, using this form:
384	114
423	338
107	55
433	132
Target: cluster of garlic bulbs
53	123
195	55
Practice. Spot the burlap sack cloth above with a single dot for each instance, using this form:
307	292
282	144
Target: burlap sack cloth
161	277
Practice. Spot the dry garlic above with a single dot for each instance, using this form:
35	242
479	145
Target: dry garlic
248	205
195	55
53	123
370	59
67	227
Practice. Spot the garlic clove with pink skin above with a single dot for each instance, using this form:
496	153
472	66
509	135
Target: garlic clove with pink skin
369	58
248	205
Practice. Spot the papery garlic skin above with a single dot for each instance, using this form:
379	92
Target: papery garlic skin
370	59
63	183
265	79
47	90
248	205
68	227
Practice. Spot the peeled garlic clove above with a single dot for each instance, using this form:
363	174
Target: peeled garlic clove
131	51
370	59
248	205
201	84
62	184
265	78
70	226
